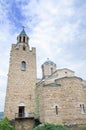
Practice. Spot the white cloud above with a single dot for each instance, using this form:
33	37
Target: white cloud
57	28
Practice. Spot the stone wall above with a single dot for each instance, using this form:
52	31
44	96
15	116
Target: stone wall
21	83
64	73
65	95
24	124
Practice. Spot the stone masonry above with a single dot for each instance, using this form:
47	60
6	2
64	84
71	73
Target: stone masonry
59	97
21	80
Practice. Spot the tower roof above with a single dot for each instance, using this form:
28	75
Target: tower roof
22	37
49	62
23	33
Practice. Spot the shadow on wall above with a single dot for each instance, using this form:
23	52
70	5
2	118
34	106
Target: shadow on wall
37	122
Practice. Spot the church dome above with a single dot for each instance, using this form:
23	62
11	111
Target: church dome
49	62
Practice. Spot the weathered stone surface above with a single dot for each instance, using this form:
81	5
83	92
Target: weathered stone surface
67	96
24	124
59	97
21	82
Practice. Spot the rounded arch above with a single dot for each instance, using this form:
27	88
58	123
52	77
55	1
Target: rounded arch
21	104
23	65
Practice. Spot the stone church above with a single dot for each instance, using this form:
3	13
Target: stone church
59	97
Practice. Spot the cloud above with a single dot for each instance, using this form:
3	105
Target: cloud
56	26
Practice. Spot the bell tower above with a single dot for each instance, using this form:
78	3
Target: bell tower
19	101
22	38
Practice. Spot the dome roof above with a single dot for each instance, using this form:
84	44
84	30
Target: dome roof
49	62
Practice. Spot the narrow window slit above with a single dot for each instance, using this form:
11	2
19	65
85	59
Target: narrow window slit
56	108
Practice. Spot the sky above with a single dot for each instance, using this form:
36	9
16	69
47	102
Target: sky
57	28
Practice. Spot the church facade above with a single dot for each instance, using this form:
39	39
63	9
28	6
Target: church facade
59	97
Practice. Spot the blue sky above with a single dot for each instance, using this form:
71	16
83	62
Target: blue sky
57	28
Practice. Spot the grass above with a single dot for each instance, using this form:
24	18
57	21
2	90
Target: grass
78	127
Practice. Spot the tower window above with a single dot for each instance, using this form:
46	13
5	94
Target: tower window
23	65
23	39
20	39
51	70
56	109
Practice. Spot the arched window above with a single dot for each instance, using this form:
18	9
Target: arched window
23	65
19	39
24	39
51	70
